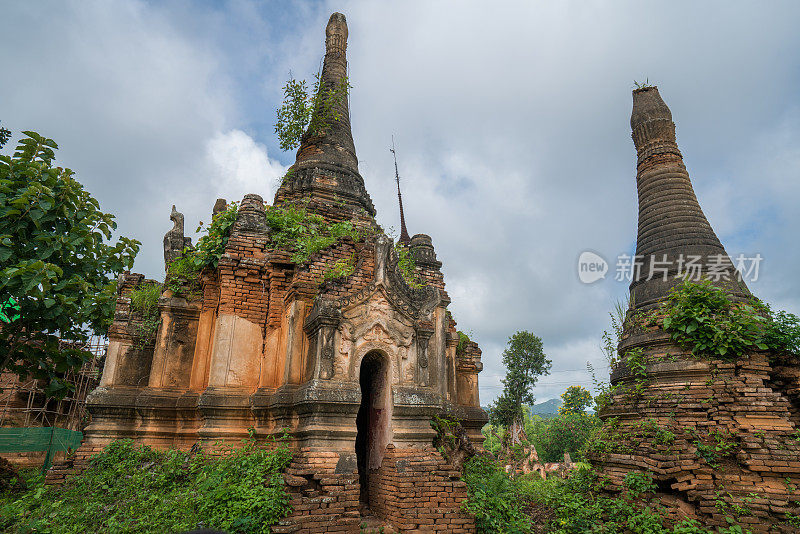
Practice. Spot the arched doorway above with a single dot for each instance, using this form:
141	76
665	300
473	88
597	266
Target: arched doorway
372	421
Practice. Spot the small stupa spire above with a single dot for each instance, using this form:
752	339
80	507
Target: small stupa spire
672	227
326	168
335	143
404	237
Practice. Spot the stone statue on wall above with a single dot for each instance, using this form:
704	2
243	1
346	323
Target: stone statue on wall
174	240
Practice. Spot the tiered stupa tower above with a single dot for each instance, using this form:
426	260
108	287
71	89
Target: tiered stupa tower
718	436
353	367
326	170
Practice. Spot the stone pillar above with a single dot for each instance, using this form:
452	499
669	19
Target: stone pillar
424	334
320	327
125	374
175	344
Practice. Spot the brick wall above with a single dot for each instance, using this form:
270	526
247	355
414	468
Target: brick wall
719	436
418	490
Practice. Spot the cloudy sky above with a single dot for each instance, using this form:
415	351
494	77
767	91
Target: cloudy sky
510	120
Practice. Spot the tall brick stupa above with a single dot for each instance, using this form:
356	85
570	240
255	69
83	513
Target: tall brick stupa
720	437
353	365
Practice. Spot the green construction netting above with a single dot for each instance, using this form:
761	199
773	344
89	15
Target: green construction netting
39	439
9	310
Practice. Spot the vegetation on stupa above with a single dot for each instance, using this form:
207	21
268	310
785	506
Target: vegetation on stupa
308	112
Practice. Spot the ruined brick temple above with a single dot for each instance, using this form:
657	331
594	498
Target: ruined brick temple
354	368
720	437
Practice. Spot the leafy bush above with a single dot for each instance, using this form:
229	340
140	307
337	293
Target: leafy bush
211	246
782	333
407	266
311	112
136	489
493	498
580	506
704	318
575	400
463	339
182	277
564	433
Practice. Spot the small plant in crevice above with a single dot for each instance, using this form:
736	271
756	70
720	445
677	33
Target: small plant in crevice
211	246
463	341
715	446
183	278
408	266
341	269
144	300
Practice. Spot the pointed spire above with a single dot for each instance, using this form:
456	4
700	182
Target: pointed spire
672	226
326	168
404	237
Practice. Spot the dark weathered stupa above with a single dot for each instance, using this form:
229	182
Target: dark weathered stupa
720	437
672	227
348	352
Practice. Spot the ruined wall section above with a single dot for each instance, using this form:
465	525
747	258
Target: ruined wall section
718	436
417	490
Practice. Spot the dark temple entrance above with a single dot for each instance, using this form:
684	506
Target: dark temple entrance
372	419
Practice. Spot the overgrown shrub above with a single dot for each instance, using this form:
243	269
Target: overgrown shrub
407	266
705	319
580	506
493	498
304	233
130	488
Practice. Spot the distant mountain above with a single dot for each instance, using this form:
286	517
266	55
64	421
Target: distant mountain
546	408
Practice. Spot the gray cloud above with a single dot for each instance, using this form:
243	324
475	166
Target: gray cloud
511	123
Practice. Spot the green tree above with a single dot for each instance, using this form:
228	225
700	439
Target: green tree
55	264
575	400
5	135
525	361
